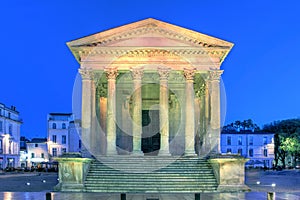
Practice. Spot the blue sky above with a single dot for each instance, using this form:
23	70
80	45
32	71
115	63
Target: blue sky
261	74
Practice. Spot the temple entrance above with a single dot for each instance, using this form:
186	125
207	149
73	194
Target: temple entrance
150	135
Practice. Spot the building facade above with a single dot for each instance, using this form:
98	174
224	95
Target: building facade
37	152
257	146
10	123
63	134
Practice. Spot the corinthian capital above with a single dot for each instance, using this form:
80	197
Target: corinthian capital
137	73
215	75
111	73
86	74
189	74
163	73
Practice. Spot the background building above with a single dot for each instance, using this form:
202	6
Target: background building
10	124
257	146
63	134
37	152
23	151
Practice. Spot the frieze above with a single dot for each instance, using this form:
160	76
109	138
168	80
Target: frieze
151	52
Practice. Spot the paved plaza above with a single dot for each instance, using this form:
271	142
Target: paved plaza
15	186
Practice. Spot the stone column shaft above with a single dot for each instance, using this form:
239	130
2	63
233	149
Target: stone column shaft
189	113
86	109
111	75
215	121
164	113
137	111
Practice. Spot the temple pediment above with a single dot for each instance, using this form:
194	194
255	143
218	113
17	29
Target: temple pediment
149	34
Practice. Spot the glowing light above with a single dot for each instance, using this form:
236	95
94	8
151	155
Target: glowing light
44	181
258	182
273	185
27	183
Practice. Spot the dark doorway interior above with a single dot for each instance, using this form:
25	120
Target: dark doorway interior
151	135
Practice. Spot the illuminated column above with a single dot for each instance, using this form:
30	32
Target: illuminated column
206	147
111	74
86	108
164	112
189	113
215	121
137	75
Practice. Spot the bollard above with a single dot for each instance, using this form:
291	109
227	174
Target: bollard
271	196
48	196
197	196
123	196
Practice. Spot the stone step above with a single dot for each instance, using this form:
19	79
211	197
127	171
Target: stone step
157	189
150	174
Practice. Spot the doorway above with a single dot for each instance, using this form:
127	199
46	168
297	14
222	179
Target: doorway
150	134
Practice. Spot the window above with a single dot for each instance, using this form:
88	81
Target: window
54	125
240	151
79	144
63	150
54	138
228	140
266	152
1	149
228	150
240	140
250	140
63	139
32	155
8	115
42	155
54	152
265	140
36	145
10	129
63	126
1	126
251	152
0	112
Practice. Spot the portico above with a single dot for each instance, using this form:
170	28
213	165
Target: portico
150	88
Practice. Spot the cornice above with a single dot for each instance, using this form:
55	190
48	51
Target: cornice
150	51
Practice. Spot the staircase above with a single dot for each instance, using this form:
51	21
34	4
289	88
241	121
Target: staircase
155	174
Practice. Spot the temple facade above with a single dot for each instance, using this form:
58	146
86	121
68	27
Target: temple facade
150	88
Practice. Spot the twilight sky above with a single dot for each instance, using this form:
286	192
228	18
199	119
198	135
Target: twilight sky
262	72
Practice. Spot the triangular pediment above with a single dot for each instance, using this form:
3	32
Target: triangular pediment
153	31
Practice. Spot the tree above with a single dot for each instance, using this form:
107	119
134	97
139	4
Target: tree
283	130
241	126
292	146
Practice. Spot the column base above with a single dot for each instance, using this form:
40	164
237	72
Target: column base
137	153
189	153
111	152
164	153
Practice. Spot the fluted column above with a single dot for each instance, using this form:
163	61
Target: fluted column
111	74
137	74
164	112
189	113
215	118
86	109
